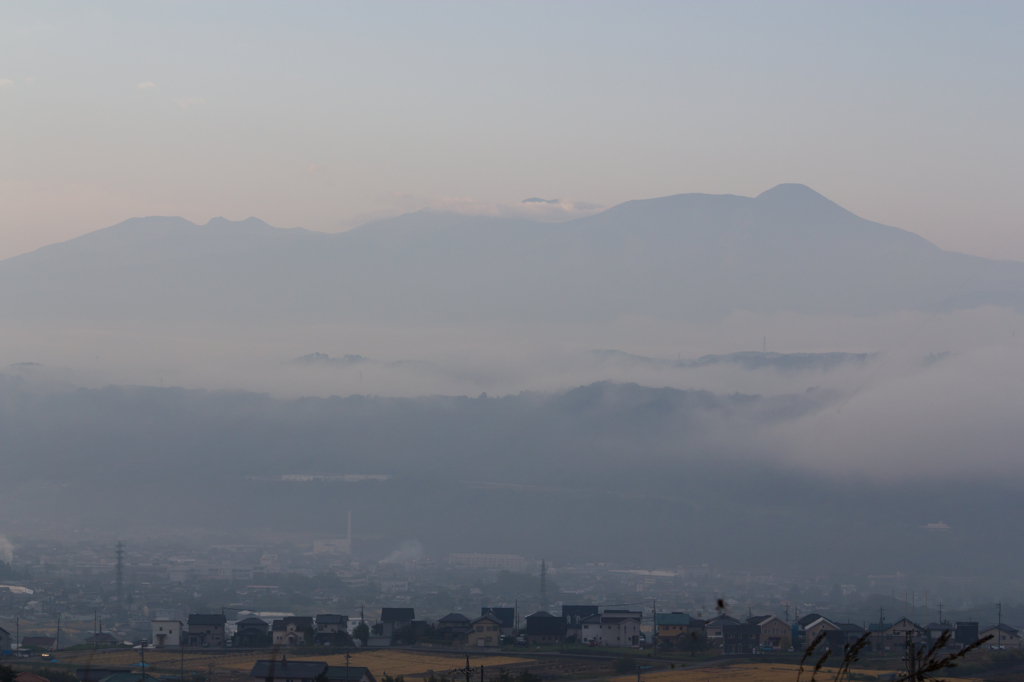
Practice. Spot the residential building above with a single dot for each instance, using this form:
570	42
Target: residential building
775	633
815	628
102	639
128	677
349	673
252	632
331	629
5	640
1003	636
673	628
206	629
484	631
48	643
501	562
965	632
611	628
740	638
935	630
904	628
166	632
800	625
287	671
96	674
505	614
291	631
453	623
396	620
543	628
713	630
851	632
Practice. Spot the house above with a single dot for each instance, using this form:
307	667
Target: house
127	677
904	628
349	673
97	674
573	615
800	625
484	631
396	620
713	629
611	628
331	629
1002	636
291	631
287	671
29	677
48	643
206	629
851	632
5	640
102	639
507	616
775	632
815	628
252	632
740	638
453	623
166	632
965	632
935	630
543	628
672	627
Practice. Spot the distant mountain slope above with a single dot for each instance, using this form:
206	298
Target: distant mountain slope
746	360
684	257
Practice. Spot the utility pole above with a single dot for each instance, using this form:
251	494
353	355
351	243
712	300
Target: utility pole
181	642
911	656
999	628
17	633
787	612
543	585
120	571
941	622
142	659
654	633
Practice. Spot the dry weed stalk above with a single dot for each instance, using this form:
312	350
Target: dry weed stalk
921	669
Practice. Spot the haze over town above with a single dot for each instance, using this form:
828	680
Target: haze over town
685	301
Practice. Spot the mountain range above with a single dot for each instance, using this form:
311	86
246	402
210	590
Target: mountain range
682	257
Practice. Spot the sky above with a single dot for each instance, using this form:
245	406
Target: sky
327	115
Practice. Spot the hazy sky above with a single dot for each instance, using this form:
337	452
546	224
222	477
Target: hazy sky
323	114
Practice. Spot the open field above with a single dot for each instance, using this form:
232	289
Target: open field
392	661
750	672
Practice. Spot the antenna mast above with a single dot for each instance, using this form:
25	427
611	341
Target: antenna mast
120	571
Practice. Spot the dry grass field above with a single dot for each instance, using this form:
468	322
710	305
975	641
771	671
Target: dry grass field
754	672
393	662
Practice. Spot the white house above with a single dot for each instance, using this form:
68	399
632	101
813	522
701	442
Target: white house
166	632
610	630
1003	636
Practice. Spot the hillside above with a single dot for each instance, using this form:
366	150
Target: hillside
682	257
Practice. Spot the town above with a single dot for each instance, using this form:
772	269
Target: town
251	597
